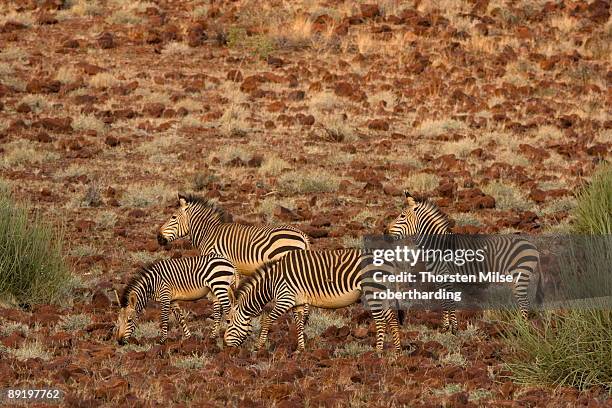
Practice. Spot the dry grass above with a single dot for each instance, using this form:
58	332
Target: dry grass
21	153
304	182
508	196
233	122
89	122
422	182
433	128
104	80
273	166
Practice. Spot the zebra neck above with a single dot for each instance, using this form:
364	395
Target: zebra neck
260	295
430	238
203	234
144	293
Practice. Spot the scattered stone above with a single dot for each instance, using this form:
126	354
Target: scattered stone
378	124
106	41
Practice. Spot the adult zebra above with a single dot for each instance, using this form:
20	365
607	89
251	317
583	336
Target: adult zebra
247	246
504	254
325	279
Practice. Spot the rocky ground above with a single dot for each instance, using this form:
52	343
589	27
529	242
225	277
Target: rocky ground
313	113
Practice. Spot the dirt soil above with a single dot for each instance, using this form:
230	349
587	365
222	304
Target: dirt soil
316	114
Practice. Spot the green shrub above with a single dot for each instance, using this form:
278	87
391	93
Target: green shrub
593	213
32	268
571	349
574	346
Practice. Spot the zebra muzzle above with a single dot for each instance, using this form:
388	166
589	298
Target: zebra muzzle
161	240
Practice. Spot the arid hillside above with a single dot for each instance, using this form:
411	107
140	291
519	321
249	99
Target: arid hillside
313	113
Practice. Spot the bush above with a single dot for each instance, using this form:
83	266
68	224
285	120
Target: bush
573	346
571	349
593	213
32	268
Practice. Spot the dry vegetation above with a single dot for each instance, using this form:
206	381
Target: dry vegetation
328	110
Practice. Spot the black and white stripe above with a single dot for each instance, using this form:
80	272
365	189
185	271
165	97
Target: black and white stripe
325	279
506	254
170	280
247	246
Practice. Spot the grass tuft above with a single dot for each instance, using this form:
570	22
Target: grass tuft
32	267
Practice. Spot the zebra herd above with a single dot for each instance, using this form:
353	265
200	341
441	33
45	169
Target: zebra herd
280	268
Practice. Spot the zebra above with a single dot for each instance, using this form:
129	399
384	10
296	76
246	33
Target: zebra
247	246
505	254
170	280
326	279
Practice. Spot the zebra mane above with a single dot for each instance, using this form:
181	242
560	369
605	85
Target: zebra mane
134	283
202	202
435	211
249	281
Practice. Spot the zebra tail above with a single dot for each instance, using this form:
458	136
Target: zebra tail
401	315
539	295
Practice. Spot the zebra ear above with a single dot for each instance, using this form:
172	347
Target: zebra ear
409	199
182	197
132	299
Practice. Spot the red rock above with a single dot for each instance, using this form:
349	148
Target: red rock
459	399
234	75
343	89
43	86
369	10
286	214
360	332
112	141
137	213
314	232
599	11
13	340
155	109
392	190
62	125
46	19
43	137
255	161
507	389
447	189
378	124
99	300
599	149
537	195
196	35
106	40
71	44
23	108
12	26
321	221
296	95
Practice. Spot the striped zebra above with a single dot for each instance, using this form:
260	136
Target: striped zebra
247	246
504	254
325	279
170	280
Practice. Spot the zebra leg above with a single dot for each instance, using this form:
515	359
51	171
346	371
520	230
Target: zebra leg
217	319
266	320
180	317
221	306
393	326
299	317
381	328
520	281
165	311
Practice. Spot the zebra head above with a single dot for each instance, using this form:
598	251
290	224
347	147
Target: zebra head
419	218
406	223
239	327
178	224
126	322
